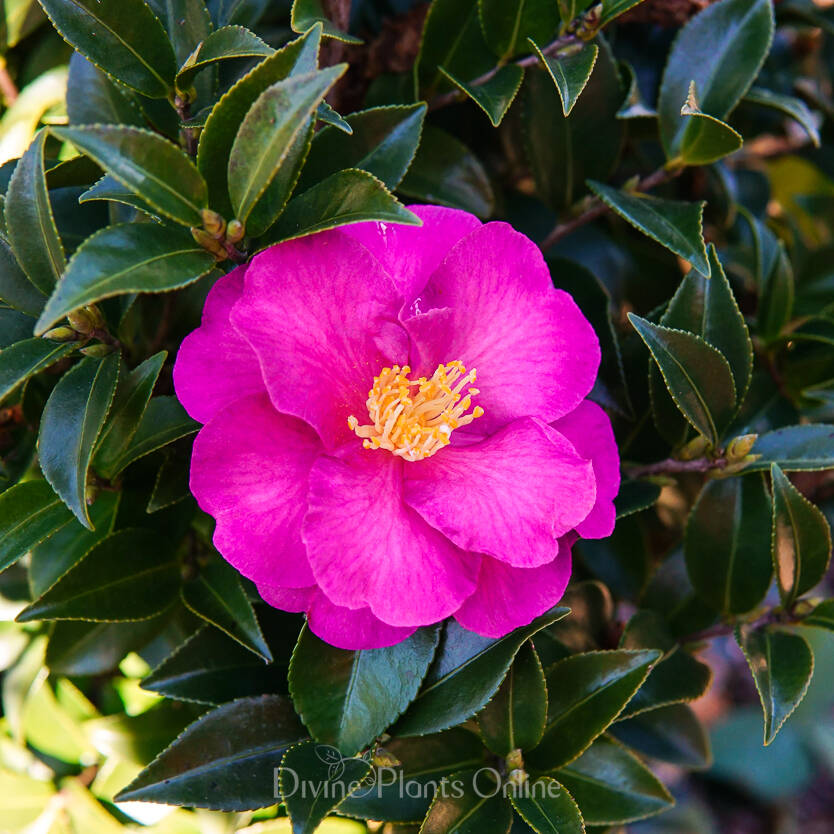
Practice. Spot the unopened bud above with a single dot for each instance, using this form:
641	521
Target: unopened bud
213	223
61	334
235	231
204	239
90	494
97	351
382	758
514	760
741	446
696	448
82	321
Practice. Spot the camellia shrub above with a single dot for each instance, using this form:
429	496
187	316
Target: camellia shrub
416	416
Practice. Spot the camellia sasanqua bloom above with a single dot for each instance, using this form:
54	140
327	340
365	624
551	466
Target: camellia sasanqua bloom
396	427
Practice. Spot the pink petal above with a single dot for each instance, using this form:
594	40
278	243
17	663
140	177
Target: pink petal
215	366
367	547
344	628
507	597
321	315
589	429
510	496
411	253
249	470
535	353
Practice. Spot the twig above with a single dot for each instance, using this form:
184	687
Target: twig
598	208
672	466
8	88
723	629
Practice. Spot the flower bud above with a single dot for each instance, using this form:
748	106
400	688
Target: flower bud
213	223
514	760
61	334
235	231
694	449
382	758
98	351
209	243
741	446
82	321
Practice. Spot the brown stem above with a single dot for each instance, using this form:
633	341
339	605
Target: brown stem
188	138
103	336
235	255
528	61
8	89
671	466
724	629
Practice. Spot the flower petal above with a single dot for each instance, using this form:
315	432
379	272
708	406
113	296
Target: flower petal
507	597
410	254
215	365
367	547
511	496
321	315
589	429
249	470
535	353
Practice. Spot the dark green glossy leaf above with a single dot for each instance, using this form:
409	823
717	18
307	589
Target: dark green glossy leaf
150	166
801	539
636	496
122	37
237	745
383	142
475	804
508	26
515	717
20	361
227	42
721	50
548	808
614	8
172	478
446	172
265	140
14	327
351	196
586	692
163	422
308	764
15	288
782	664
706	139
696	375
218	136
727	544
791	106
124	259
92	98
466	673
71	422
347	698
822	616
130	575
570	73
109	188
129	403
308	13
612	786
217	596
495	95
29	513
29	220
795	449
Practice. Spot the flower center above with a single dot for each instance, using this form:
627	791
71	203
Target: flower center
413	418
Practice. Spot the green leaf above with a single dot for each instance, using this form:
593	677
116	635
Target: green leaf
474	804
801	539
146	163
163	422
122	37
614	8
29	513
822	616
676	225
15	288
791	106
24	799
29	220
383	142
308	764
447	173
548	808
612	786
132	257
22	360
70	425
347	698
696	375
307	13
508	26
265	139
130	575
721	50
707	139
795	449
222	45
636	496
217	596
495	95
782	665
466	673
129	403
218	135
727	545
109	188
515	717
586	692
351	196
92	98
236	745
570	73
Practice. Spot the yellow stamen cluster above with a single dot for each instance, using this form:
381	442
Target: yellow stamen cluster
413	418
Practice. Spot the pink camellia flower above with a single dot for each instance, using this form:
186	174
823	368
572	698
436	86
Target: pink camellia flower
396	428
